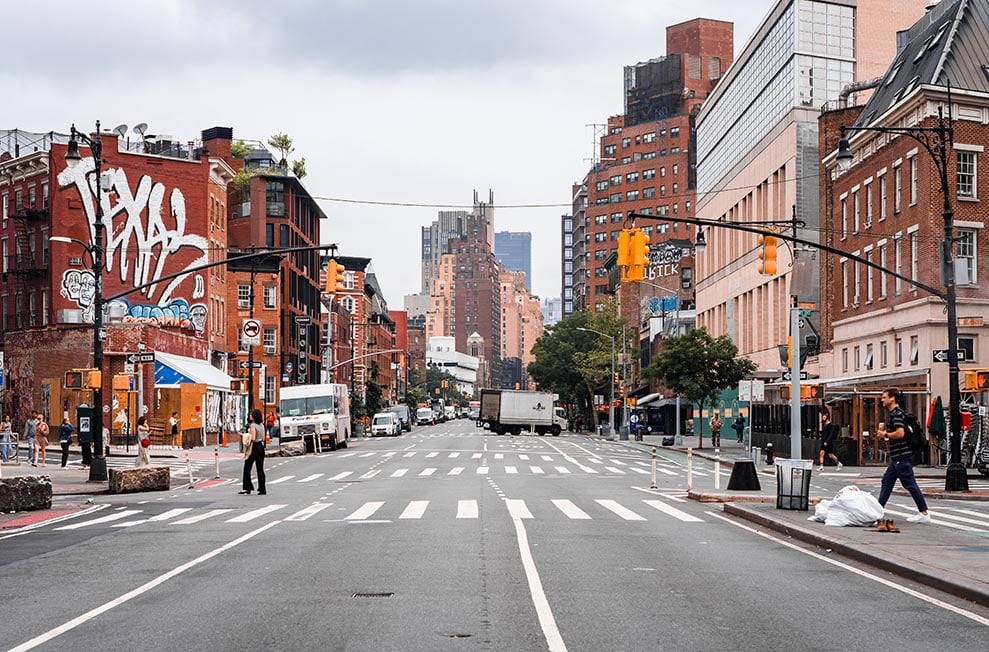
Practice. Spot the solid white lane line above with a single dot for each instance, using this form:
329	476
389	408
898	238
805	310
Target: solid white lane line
517	508
615	469
116	516
399	473
875	578
457	470
481	470
306	513
364	511
571	510
310	478
511	469
429	471
202	517
338	476
284	478
624	512
536	469
250	516
370	474
554	640
415	509
562	469
144	588
673	511
466	509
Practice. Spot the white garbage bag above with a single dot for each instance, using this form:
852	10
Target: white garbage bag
820	512
852	506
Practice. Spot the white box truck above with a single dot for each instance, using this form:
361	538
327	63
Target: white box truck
310	411
511	411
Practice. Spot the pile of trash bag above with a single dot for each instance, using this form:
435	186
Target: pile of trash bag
850	506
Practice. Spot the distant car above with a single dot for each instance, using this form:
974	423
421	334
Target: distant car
425	416
385	423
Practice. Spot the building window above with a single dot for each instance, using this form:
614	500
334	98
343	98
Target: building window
649	137
348	304
868	357
600	237
844	218
882	197
914	257
914	350
648	193
243	296
649	174
844	286
662	190
856	211
676	169
675	132
967	346
883	354
615	198
626	142
600	219
610	150
617	217
844	360
269	388
966	174
269	296
966	257
857	298
914	171
897	189
268	340
601	185
898	351
616	180
882	273
858	358
898	265
269	235
868	205
868	278
662	171
632	177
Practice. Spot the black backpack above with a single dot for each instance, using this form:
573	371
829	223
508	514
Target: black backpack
914	433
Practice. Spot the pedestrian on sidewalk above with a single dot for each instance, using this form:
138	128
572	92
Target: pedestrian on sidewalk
41	440
716	424
829	435
143	442
30	434
65	439
254	453
900	457
173	428
5	432
739	427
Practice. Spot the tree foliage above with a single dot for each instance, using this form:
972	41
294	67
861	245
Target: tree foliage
299	168
374	400
239	149
442	384
699	367
283	143
416	392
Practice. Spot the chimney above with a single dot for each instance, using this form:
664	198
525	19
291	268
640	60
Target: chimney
217	140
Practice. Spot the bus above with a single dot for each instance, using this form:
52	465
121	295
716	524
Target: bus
310	411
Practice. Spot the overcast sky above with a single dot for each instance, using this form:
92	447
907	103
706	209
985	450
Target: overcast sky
416	103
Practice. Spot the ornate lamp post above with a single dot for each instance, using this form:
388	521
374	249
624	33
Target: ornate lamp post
97	470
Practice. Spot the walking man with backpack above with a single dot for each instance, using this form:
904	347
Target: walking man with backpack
900	456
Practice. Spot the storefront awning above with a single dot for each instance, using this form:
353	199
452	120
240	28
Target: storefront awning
648	399
172	370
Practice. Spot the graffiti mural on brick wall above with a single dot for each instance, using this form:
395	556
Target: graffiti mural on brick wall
146	239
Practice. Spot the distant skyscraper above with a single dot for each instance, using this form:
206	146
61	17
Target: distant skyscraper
513	249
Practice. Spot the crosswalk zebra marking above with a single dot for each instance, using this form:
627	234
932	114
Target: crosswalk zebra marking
499	456
399	473
102	519
428	471
415	509
202	517
370	474
638	470
476	456
457	470
571	510
618	462
620	510
523	457
284	478
481	470
536	469
673	511
547	458
517	508
310	478
170	514
511	470
256	513
366	454
308	512
666	471
940	513
615	469
433	454
340	476
412	454
562	469
365	511
467	509
453	455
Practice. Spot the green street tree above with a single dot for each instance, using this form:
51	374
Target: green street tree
374	400
699	367
442	384
283	143
416	392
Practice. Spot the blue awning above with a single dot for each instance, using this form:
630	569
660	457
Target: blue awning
172	370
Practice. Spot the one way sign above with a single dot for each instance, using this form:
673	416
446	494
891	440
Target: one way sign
787	376
143	358
941	355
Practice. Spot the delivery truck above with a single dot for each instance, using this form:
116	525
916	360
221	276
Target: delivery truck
510	411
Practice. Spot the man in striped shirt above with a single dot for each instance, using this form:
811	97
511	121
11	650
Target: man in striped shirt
900	457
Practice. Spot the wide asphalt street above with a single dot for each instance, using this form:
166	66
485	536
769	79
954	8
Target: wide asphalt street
451	538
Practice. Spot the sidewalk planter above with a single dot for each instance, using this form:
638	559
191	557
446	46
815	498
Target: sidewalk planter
793	484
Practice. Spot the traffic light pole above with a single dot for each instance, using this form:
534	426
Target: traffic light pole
795	447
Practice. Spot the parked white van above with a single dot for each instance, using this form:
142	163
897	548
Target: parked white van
385	423
425	416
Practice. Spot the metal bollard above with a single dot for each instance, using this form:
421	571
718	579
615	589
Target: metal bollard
717	468
653	485
216	461
690	469
188	465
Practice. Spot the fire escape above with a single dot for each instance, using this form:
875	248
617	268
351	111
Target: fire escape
27	266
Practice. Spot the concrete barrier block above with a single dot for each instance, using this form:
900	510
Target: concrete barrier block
144	478
25	493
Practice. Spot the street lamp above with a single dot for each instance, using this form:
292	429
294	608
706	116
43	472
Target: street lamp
97	469
611	379
935	141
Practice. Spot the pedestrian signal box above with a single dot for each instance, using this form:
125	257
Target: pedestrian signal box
807	392
83	379
977	380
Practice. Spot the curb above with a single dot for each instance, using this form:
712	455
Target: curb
707	497
853	551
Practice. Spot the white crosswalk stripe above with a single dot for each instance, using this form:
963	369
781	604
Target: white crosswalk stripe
102	519
366	454
433	454
370	474
615	469
481	470
429	471
308	512
415	509
467	509
476	456
202	517
457	470
635	469
284	478
170	514
517	508
547	458
620	510
341	476
571	510
314	476
412	454
499	456
536	469
673	511
365	511
399	473
511	470
562	469
453	455
253	514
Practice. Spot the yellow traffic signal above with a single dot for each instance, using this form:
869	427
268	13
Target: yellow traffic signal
83	379
639	255
624	252
789	351
976	380
767	254
334	277
616	378
94	378
811	392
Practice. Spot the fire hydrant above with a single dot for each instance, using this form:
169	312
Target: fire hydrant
769	453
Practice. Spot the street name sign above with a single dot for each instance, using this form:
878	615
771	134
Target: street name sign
140	358
789	376
941	355
250	364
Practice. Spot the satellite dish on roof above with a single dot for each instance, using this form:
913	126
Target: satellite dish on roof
120	130
140	128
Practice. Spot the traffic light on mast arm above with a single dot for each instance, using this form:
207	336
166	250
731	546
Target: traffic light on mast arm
767	253
334	277
639	255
